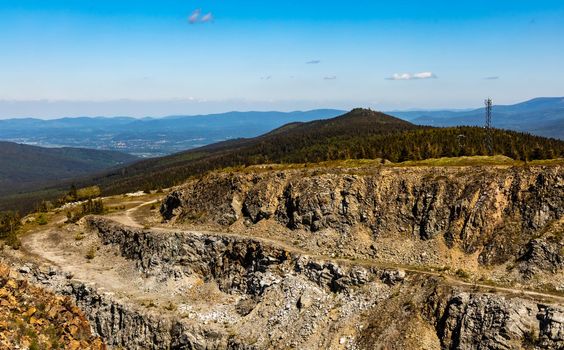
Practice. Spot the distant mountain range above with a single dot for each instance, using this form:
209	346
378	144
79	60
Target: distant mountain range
150	137
542	116
24	167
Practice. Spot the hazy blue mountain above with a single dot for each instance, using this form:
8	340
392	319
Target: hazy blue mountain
24	167
151	136
542	116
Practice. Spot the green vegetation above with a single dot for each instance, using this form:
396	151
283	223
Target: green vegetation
41	219
80	194
359	134
25	167
91	254
87	193
462	274
10	223
91	206
44	207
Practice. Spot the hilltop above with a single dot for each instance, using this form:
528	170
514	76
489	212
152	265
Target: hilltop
154	137
358	134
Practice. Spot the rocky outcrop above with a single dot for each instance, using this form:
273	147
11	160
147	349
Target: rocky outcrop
33	318
119	323
494	210
244	265
282	298
236	264
488	321
541	255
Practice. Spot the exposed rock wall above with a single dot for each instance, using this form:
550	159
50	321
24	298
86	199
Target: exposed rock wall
237	264
122	324
462	320
494	210
488	321
542	255
294	300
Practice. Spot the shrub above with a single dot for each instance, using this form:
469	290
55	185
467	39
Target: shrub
88	192
10	222
41	219
13	241
91	254
462	274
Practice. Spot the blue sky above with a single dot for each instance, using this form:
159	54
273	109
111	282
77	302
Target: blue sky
111	57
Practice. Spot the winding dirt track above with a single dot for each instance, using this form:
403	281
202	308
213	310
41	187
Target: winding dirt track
126	218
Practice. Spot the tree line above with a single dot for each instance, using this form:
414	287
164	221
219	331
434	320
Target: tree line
396	146
361	134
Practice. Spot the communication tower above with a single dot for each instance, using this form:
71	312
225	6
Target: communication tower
489	132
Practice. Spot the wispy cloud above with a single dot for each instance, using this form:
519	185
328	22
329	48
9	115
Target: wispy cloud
268	77
193	18
331	77
207	17
491	78
412	76
313	62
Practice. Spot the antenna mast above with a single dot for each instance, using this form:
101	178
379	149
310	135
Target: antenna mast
489	135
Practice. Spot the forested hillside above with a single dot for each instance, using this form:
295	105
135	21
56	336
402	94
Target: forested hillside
24	167
358	134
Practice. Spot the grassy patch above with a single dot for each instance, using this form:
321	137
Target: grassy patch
462	161
41	219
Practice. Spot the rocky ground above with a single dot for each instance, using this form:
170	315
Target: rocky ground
500	222
407	258
31	318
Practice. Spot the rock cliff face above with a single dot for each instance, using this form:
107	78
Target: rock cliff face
542	255
280	298
122	324
486	321
242	265
491	210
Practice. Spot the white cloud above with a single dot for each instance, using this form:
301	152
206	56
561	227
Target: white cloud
414	76
492	78
313	62
331	77
193	18
207	17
